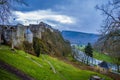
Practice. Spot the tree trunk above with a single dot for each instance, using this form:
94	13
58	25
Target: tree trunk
84	59
92	60
118	68
87	59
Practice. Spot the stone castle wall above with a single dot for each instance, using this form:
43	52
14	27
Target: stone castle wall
19	33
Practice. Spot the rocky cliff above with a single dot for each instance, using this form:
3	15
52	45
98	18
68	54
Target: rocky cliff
40	38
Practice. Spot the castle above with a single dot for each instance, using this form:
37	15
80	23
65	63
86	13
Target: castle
19	33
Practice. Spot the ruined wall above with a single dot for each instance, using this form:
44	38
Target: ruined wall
28	35
36	30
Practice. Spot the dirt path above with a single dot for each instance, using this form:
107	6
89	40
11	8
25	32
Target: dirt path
28	57
15	71
52	67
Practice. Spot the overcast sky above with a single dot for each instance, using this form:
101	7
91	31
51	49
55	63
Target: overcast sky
75	15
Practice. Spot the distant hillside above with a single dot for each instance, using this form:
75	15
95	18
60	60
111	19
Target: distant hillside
80	37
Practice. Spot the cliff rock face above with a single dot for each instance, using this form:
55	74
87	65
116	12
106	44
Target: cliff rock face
50	40
55	43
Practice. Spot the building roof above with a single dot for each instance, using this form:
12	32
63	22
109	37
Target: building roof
104	65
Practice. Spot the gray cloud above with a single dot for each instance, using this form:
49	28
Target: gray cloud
88	18
81	13
33	17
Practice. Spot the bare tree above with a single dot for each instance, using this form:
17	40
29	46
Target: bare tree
5	12
111	29
111	12
5	9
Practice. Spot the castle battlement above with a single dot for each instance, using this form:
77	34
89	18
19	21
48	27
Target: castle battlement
18	33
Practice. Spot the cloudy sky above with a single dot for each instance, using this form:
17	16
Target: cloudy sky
75	15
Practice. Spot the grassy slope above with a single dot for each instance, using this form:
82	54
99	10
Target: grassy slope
103	57
99	56
4	75
24	62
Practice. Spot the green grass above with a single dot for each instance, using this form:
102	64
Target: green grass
98	55
4	75
43	71
103	57
81	48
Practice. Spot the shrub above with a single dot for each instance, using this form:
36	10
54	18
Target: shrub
28	47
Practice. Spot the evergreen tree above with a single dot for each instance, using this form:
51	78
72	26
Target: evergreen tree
88	51
36	46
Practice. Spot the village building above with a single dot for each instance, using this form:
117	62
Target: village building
103	67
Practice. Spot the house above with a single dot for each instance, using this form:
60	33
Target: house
103	67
